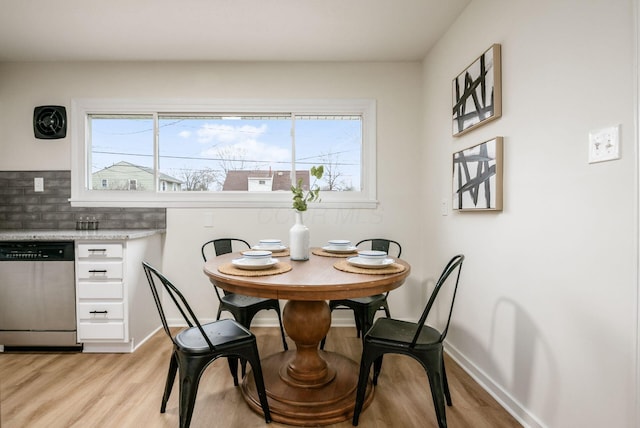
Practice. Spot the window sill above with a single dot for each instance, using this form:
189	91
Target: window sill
207	201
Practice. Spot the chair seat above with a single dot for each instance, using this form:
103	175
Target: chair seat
402	332
364	301
242	301
224	332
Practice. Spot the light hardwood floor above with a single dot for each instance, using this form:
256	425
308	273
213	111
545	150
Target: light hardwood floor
125	390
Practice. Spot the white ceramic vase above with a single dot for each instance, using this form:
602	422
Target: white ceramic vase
299	239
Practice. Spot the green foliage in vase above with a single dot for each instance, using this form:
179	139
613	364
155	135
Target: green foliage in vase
300	198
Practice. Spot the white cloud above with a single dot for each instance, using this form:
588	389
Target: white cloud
229	134
240	141
253	150
184	134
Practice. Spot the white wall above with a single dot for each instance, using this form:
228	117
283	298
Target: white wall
395	86
546	315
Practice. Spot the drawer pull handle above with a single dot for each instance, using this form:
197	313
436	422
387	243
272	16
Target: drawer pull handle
102	271
97	250
99	312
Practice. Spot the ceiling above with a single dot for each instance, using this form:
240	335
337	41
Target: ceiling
223	30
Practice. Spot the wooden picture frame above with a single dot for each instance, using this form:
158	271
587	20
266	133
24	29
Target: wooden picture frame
477	177
477	92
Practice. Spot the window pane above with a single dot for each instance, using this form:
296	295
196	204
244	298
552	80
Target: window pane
121	155
335	142
225	152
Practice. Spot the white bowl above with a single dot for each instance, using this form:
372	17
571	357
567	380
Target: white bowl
270	243
357	261
372	256
247	264
339	250
339	243
257	257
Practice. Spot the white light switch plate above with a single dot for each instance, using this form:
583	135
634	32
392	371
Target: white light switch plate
604	144
38	184
444	206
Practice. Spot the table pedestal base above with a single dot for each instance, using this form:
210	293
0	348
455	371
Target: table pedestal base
329	401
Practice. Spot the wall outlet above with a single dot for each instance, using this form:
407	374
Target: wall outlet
604	144
38	184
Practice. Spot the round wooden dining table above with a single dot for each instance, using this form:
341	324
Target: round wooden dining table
306	386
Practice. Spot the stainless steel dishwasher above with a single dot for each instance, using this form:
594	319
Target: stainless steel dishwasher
37	295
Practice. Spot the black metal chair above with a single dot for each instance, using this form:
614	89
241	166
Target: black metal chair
243	308
365	308
417	340
197	346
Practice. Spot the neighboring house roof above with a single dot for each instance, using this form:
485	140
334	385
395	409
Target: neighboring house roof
163	177
239	180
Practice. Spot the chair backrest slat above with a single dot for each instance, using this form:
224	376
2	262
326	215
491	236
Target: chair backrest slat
178	299
383	244
454	264
221	246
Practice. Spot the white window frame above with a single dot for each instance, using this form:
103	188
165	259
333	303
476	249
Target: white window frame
83	196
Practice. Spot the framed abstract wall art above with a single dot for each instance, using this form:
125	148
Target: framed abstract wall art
477	177
477	92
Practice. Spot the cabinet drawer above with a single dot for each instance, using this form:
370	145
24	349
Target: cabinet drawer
101	311
100	290
99	270
100	331
99	251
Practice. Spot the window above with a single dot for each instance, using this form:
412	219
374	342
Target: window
221	153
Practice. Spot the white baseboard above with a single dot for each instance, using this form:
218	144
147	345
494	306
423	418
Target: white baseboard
107	347
262	322
116	347
141	342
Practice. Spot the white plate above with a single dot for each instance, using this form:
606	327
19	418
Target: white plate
359	262
247	265
330	249
272	249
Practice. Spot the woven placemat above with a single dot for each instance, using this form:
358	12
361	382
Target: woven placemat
323	253
230	269
345	266
283	253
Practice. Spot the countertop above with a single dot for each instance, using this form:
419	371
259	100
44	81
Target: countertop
76	235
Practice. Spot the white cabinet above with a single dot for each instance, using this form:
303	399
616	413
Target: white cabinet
115	309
